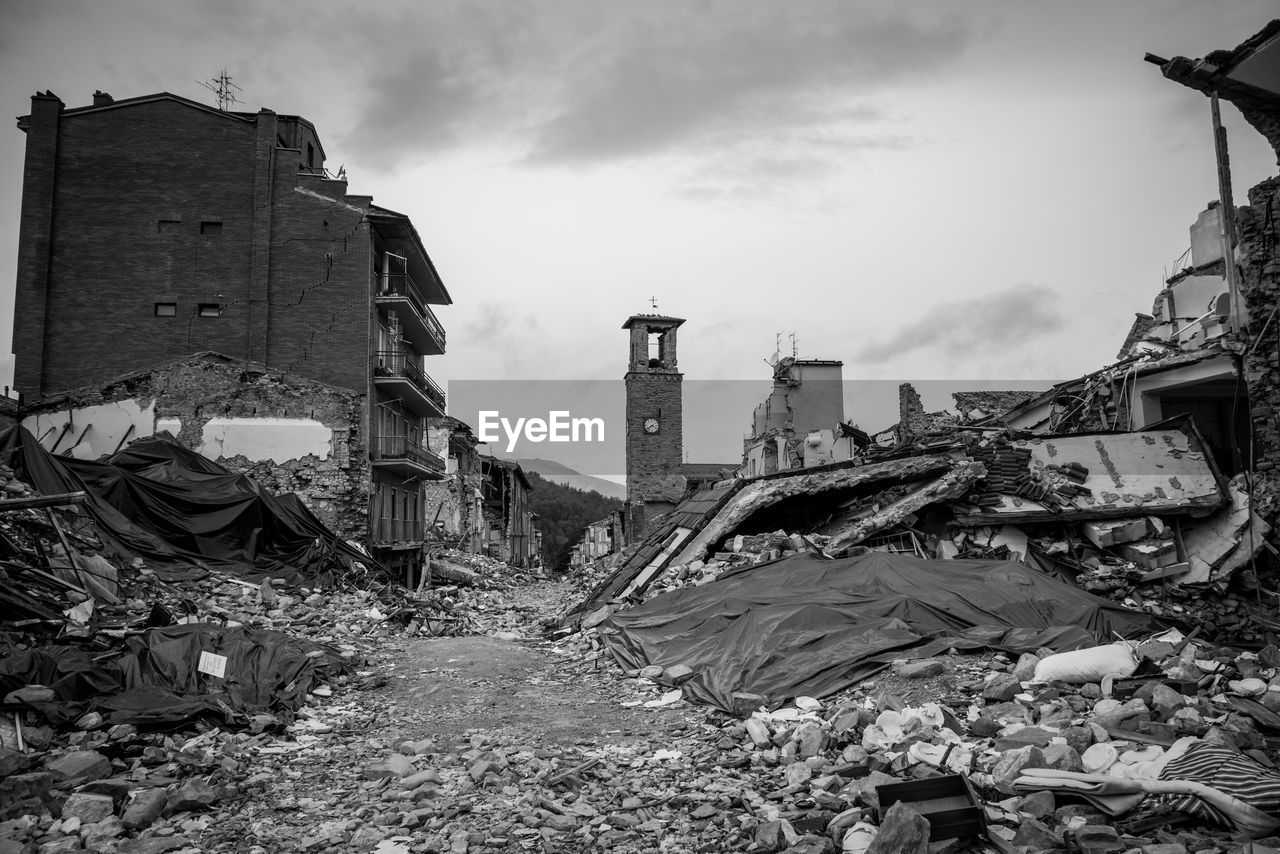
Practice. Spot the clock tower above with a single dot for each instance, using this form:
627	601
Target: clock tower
655	441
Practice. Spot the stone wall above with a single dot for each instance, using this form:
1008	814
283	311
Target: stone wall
332	481
912	421
450	503
1259	235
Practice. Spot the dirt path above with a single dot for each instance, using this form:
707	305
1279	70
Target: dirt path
509	688
532	688
526	709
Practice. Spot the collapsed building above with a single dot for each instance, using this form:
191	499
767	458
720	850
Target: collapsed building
1153	479
226	234
801	423
510	523
482	503
601	538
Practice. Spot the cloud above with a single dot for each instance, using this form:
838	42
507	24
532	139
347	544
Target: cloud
492	324
978	325
741	68
577	82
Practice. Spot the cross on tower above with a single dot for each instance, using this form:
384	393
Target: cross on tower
653	301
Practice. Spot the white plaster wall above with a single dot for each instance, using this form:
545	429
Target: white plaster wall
819	447
169	425
260	439
108	424
1194	297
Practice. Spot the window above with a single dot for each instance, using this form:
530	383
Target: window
168	225
211	227
311	154
166	309
209	309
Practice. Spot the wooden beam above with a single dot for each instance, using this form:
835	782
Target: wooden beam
86	429
61	436
125	438
1227	218
36	501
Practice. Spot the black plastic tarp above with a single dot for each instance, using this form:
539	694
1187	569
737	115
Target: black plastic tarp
162	501
805	626
155	678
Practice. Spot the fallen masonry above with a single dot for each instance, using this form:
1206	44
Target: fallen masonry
446	720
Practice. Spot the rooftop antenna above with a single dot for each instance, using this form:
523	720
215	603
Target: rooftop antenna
794	351
777	350
222	87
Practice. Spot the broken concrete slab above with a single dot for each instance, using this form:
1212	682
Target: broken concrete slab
1105	533
766	492
1218	545
949	486
1166	471
79	766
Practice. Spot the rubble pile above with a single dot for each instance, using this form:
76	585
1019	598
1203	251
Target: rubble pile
361	767
808	776
588	575
487	572
339	613
120	727
741	550
101	787
11	486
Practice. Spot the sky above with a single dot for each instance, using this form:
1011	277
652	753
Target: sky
972	192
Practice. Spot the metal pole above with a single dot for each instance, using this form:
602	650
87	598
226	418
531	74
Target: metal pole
1227	218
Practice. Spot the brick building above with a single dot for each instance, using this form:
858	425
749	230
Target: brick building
153	228
654	421
657	477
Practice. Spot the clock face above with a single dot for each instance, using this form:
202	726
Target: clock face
651	425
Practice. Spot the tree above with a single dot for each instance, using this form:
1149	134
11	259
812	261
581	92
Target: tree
563	516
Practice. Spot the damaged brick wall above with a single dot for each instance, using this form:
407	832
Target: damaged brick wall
654	484
912	422
335	488
321	270
1260	287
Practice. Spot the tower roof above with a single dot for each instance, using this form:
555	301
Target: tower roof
652	320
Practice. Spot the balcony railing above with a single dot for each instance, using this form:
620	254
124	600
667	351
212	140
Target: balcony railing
397	530
395	363
403	448
401	285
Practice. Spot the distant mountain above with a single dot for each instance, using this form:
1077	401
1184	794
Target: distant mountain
565	476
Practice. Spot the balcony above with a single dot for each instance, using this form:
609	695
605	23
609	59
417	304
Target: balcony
398	293
385	533
405	457
400	374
